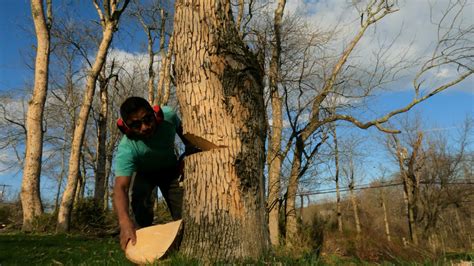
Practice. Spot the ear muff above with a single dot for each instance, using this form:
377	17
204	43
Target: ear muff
122	126
159	117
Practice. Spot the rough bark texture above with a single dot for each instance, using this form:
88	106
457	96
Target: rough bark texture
220	92
30	187
274	151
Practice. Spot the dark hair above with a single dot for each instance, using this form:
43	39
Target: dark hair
132	105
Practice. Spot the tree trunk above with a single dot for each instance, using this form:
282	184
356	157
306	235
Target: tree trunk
30	187
101	160
67	202
408	184
336	179
151	70
61	177
291	237
355	210
385	215
274	152
159	94
164	76
220	92
411	213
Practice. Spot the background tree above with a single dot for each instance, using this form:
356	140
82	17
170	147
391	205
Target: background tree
30	188
109	19
154	18
339	81
275	135
410	166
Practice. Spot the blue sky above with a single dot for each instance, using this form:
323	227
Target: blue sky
15	16
446	110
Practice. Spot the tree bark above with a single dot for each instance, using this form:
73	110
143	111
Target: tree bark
410	182
65	209
220	92
101	160
355	209
336	180
164	76
385	215
109	21
30	187
291	236
274	152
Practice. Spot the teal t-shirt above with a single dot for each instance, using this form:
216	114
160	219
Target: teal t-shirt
151	154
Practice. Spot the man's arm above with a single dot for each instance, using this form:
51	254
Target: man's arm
121	202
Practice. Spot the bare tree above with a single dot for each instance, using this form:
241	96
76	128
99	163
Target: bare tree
30	187
410	166
275	137
153	18
338	83
444	183
109	18
337	181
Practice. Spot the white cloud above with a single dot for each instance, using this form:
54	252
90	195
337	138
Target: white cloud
412	29
444	73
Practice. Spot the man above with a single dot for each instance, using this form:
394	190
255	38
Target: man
146	152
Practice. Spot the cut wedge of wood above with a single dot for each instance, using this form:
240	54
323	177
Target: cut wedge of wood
152	242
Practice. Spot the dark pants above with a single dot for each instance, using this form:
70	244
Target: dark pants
141	198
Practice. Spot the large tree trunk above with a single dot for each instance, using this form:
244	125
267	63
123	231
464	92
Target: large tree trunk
30	187
220	92
65	209
274	152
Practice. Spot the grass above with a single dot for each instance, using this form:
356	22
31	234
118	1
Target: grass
32	249
47	249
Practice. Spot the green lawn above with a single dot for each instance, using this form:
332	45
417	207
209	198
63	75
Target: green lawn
47	249
29	249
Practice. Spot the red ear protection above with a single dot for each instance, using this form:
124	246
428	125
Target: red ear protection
159	117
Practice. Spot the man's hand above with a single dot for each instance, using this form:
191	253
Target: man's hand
127	227
127	233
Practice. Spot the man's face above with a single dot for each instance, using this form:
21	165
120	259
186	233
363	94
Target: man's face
142	123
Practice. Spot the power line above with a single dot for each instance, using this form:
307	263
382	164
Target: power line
368	186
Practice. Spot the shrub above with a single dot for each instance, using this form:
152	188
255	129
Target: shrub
10	216
45	222
89	217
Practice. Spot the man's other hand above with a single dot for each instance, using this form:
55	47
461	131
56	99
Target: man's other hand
127	233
